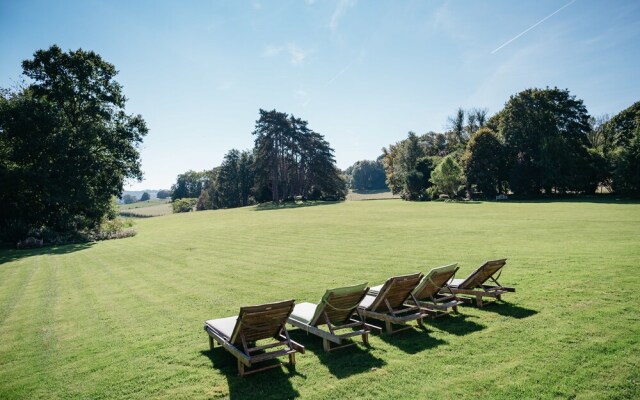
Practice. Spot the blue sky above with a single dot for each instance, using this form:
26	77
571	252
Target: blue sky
363	73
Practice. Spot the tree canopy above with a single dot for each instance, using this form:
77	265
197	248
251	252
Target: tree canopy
624	150
66	143
542	142
292	160
368	175
189	184
545	134
484	162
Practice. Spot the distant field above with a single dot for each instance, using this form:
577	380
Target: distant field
123	318
150	208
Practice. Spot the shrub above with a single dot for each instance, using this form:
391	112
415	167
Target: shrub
184	205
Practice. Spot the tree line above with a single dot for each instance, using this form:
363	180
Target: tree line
289	161
543	142
67	145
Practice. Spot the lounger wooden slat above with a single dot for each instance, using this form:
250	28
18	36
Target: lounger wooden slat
394	303
239	335
474	285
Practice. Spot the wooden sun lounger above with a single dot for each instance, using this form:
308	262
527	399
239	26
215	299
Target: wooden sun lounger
394	303
335	310
434	295
240	334
475	284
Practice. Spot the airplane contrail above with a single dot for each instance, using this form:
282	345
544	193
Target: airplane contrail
536	24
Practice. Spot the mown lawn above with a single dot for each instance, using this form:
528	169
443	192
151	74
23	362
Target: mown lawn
123	318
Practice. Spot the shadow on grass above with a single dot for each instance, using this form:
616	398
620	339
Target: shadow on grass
341	363
412	341
289	205
10	254
458	325
508	309
270	384
597	198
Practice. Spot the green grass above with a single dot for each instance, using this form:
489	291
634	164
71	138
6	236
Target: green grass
371	195
123	318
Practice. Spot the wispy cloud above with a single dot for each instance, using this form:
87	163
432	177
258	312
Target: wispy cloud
533	26
339	12
296	54
310	2
271	50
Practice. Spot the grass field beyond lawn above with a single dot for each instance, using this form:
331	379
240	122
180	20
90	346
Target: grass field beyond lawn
123	318
143	209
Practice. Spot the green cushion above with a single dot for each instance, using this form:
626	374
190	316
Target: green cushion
337	291
434	272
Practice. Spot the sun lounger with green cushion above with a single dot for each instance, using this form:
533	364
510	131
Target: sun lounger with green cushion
335	310
474	284
240	335
433	294
394	303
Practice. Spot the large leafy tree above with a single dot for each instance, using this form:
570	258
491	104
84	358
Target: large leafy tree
484	162
66	143
545	133
368	175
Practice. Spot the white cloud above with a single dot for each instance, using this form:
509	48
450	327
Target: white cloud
339	12
296	54
310	2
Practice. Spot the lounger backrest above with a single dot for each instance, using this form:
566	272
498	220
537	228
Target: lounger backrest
261	322
435	280
339	304
395	291
484	272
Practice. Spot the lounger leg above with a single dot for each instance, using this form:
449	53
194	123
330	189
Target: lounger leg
326	345
240	368
292	359
455	309
365	339
499	297
389	328
479	300
211	344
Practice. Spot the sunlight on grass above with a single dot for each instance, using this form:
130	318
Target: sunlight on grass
123	318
